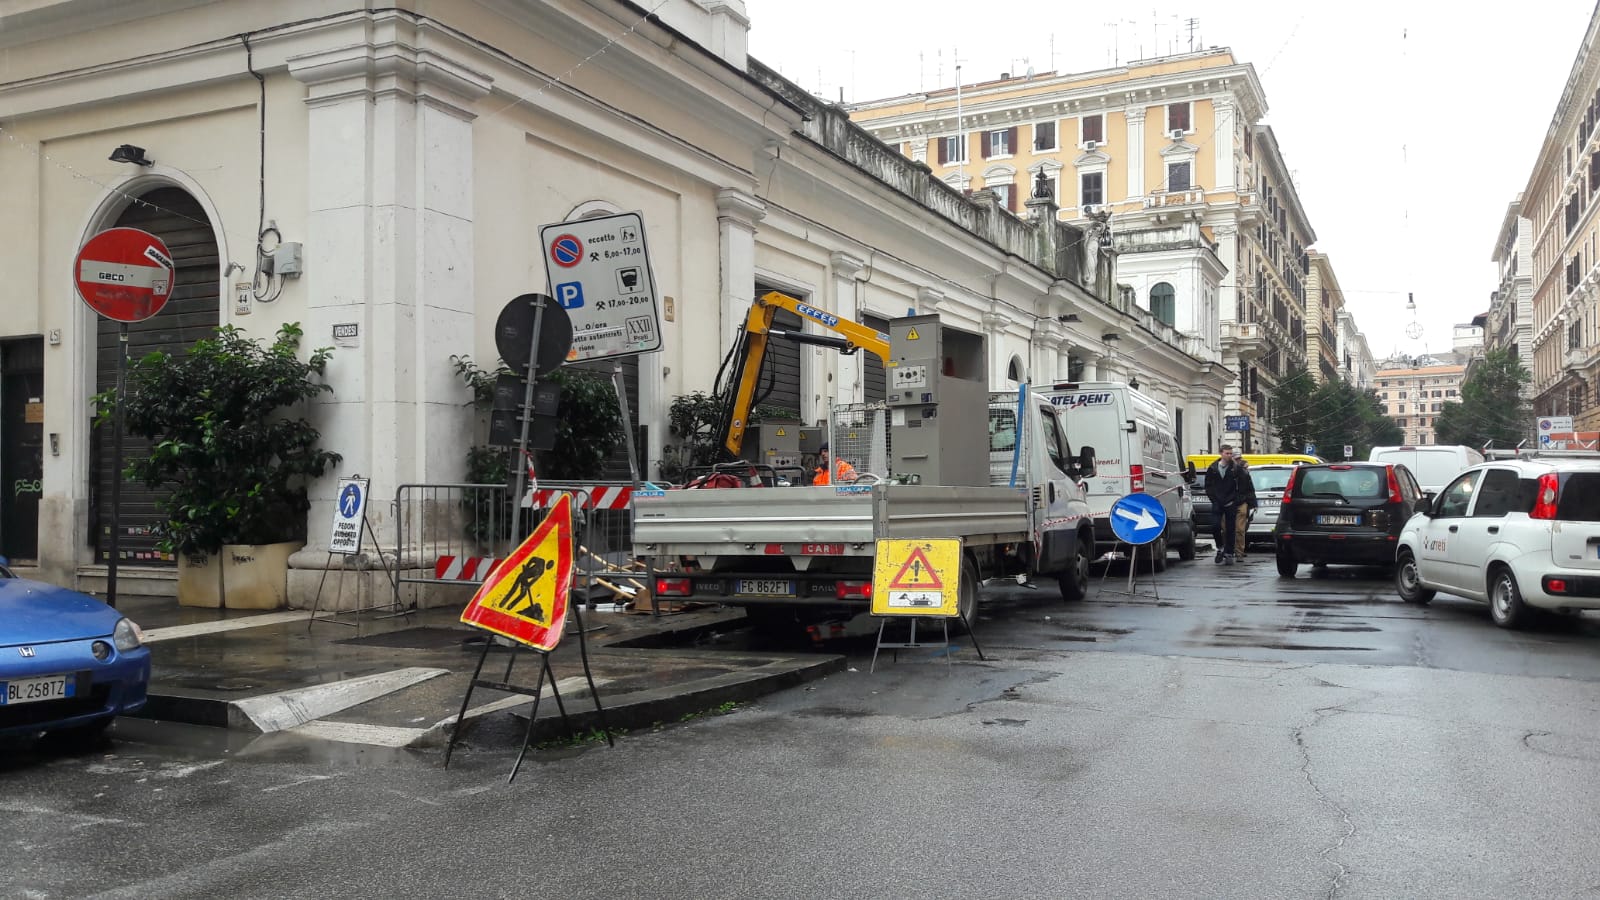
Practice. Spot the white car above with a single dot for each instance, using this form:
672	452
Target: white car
1269	482
1514	533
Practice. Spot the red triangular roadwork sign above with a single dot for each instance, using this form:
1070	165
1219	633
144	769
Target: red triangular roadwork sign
923	577
525	597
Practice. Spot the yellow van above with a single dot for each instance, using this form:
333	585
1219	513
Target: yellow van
1203	460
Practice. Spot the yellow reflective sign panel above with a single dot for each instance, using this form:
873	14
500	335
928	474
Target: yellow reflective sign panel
917	577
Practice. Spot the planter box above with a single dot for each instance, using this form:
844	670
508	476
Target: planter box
256	576
200	580
242	576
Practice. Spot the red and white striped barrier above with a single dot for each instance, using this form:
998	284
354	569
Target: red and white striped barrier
464	568
598	497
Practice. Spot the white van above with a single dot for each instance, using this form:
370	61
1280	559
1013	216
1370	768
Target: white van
1432	464
1135	451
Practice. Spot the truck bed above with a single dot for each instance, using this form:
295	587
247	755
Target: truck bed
723	521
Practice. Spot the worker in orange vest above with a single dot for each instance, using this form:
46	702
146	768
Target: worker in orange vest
841	471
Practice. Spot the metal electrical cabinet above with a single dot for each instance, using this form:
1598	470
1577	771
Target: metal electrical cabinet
938	402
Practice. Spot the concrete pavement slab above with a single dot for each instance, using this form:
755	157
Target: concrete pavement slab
400	681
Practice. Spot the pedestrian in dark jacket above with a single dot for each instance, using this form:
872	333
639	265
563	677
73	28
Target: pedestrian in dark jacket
1222	486
1247	508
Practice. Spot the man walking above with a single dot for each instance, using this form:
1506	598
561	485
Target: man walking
1247	507
1222	486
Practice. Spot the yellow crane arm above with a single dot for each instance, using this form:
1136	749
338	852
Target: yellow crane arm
752	353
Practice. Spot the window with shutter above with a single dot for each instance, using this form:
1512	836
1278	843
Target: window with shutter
1044	136
1092	128
944	151
1178	116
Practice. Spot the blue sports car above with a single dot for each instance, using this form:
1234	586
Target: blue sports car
68	663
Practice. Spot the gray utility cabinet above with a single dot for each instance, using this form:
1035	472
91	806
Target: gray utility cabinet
938	402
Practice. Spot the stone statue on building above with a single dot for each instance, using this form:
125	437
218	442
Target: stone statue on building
1096	234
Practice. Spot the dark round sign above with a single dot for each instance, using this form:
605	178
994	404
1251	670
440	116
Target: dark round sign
513	333
124	274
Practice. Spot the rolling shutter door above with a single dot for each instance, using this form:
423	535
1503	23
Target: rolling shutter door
874	386
191	314
780	377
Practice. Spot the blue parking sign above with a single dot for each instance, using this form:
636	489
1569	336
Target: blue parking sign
570	294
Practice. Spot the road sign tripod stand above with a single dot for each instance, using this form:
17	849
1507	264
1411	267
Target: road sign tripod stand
344	566
536	692
1133	570
912	643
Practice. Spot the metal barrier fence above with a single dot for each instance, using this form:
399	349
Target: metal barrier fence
858	433
453	535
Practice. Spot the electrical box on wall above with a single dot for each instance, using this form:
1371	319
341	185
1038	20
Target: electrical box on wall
286	260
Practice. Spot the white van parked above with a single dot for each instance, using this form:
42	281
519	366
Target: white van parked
1432	464
1135	451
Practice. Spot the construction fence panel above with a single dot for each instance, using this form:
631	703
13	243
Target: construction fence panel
858	433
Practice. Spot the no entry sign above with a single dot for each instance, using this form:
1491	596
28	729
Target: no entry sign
124	274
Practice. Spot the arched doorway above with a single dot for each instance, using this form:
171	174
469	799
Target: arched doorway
192	313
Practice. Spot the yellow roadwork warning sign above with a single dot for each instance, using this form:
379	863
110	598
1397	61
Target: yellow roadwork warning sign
917	577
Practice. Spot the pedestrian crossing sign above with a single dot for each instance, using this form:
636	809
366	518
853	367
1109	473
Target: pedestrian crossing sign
525	597
917	577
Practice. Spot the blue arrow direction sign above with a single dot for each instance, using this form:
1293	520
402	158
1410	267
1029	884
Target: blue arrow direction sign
1138	518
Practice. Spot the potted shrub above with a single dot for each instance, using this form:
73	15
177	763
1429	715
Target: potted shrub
226	442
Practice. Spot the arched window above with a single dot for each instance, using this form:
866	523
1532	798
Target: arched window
1016	371
1164	303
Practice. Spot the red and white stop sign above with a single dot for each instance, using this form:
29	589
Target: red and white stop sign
124	274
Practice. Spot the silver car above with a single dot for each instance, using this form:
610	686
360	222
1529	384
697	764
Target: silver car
1269	482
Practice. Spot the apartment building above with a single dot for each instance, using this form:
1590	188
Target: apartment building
1170	156
1324	302
1414	396
1509	323
1559	202
1356	364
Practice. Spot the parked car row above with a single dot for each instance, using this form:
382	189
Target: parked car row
1519	534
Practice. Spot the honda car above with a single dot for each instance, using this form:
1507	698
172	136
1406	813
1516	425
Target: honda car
68	662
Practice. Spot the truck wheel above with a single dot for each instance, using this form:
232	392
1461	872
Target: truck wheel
1158	553
967	596
1075	580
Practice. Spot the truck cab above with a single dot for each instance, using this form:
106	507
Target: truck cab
1054	472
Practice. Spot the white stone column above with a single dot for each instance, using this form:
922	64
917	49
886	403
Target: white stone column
1134	154
730	30
389	247
994	327
737	214
845	302
1223	140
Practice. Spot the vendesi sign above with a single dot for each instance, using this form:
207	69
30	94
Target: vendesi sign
599	271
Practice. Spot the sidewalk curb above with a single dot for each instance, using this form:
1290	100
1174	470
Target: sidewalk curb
663	705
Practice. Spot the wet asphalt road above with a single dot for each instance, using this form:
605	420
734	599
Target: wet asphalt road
1240	736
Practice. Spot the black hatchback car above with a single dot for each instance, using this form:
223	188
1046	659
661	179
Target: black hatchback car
1348	513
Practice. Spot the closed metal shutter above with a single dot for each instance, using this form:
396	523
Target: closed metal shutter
780	377
874	386
191	313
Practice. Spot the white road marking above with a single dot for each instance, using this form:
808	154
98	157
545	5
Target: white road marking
296	783
287	709
360	733
175	632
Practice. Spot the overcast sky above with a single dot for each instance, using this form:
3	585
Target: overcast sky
1409	125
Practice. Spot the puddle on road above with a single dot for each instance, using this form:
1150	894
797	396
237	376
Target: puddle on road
1269	645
